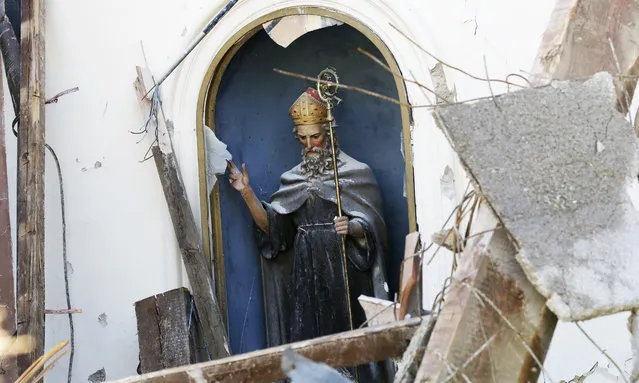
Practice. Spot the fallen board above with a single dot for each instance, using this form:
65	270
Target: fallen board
493	326
555	163
338	350
167	330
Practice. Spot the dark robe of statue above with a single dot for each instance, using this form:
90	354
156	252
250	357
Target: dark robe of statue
302	267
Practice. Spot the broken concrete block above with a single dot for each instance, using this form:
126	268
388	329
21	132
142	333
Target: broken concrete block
555	164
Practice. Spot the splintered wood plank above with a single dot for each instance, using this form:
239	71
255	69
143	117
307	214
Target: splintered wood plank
149	335
589	36
163	330
30	203
173	313
338	350
492	321
185	228
409	296
7	291
193	257
576	42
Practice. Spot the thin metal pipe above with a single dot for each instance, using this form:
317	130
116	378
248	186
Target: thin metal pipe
339	211
195	43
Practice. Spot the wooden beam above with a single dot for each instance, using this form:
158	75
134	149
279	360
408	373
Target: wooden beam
193	257
10	48
409	290
167	325
410	362
589	36
30	203
491	319
576	42
7	291
338	350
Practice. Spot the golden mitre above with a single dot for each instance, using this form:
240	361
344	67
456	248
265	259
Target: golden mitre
308	109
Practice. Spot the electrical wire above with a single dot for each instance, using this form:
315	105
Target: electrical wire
65	261
14	125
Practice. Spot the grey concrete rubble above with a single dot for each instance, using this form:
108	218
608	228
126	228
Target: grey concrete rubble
555	163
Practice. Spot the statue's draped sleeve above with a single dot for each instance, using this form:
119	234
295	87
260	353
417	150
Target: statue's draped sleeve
364	254
281	233
276	258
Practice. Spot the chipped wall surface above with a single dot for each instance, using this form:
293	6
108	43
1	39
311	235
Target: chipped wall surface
121	245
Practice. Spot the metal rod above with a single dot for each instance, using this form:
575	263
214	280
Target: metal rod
339	211
327	96
197	41
330	119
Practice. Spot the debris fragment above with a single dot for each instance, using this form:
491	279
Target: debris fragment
582	378
216	157
566	207
449	239
63	311
287	29
302	370
447	183
98	376
378	311
56	98
102	318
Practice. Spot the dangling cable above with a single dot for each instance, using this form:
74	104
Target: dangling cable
14	124
66	263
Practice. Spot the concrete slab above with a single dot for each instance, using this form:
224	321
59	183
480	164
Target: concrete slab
555	164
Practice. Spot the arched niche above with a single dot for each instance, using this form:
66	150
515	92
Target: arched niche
207	66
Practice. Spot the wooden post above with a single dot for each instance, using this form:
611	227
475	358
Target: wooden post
192	254
197	270
7	291
492	317
166	328
589	36
30	204
338	350
575	43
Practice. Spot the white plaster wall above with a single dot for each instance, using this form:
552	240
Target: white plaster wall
121	244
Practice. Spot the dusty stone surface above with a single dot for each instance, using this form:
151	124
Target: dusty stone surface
556	163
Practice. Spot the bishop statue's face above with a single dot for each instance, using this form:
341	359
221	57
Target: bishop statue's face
316	157
311	136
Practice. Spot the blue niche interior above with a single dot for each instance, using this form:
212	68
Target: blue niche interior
251	117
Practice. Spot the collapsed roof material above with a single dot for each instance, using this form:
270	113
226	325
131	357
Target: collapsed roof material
555	163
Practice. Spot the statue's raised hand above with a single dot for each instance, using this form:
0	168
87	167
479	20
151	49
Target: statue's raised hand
238	179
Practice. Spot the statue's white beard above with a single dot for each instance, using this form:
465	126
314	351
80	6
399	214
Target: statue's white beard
316	161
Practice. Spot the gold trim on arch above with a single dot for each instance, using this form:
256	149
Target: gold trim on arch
210	205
